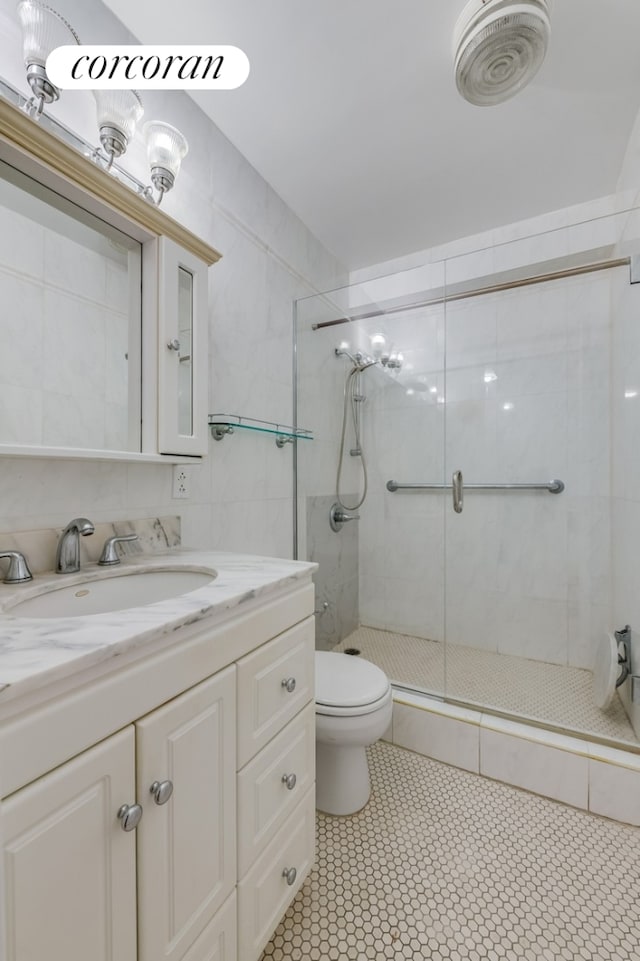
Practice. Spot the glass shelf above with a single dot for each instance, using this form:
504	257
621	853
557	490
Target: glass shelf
223	424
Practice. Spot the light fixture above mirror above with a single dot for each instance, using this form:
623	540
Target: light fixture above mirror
119	112
166	149
43	29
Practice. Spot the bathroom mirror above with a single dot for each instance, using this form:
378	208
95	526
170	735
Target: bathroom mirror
94	305
71	323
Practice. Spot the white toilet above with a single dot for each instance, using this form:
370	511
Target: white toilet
353	710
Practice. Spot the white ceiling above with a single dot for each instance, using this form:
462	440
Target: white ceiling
352	115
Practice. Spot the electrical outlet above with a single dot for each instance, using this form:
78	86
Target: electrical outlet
181	482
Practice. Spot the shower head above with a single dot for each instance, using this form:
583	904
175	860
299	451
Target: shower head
499	46
360	361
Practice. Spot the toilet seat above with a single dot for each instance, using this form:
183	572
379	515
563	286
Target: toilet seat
349	686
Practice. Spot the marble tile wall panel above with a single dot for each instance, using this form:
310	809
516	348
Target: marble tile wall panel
336	579
39	546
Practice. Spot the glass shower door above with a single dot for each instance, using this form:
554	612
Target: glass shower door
527	559
381	577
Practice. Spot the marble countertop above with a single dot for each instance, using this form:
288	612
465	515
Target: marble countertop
37	651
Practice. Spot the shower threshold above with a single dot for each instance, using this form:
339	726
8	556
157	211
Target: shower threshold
552	696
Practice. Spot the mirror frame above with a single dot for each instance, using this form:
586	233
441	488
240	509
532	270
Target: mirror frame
44	157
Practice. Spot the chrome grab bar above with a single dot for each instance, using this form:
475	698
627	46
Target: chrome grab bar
458	491
553	487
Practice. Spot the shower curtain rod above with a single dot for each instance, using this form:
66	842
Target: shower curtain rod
479	291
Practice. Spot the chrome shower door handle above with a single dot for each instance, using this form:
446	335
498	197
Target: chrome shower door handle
458	491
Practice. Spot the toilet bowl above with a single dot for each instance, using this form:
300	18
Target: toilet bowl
353	710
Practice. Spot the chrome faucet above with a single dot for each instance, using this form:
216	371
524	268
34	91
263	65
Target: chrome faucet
109	553
18	571
68	553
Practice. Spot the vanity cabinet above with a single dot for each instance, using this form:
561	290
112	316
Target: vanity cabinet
213	736
72	862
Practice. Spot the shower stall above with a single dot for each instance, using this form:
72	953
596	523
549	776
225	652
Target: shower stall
496	395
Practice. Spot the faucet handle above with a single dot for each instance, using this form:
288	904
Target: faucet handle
109	554
18	571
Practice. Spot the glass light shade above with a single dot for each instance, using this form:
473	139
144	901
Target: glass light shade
166	147
43	29
121	109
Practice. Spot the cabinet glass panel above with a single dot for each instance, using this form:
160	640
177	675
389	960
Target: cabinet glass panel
185	336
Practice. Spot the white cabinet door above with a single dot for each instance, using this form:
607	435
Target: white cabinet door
70	868
186	845
183	353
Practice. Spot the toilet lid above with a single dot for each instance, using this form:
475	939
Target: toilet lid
605	671
345	680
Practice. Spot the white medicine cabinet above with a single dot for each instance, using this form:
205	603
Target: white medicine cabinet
106	310
182	351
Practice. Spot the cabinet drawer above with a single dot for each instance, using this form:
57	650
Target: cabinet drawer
265	800
265	704
264	894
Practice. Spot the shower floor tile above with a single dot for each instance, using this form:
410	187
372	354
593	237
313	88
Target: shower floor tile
534	690
448	866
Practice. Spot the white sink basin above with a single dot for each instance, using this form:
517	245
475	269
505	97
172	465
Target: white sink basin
115	592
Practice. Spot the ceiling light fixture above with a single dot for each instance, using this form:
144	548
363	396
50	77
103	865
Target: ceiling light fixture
499	46
43	29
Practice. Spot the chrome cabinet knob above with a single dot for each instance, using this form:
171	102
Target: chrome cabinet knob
129	816
174	344
161	791
290	874
289	780
289	684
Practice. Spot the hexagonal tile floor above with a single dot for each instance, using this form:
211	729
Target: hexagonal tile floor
552	693
443	865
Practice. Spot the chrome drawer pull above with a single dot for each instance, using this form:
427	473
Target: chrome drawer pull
129	816
290	874
289	780
162	791
289	683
